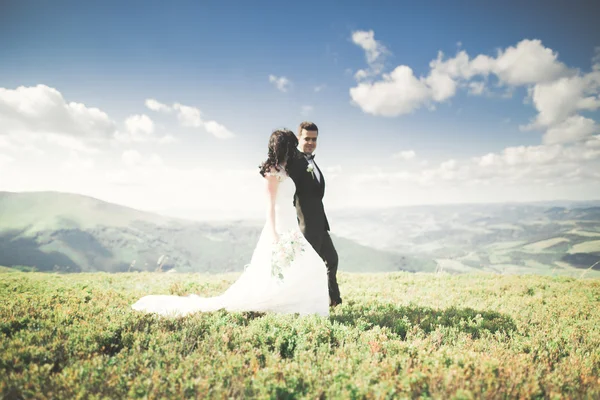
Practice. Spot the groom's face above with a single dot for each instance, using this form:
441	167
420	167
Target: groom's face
308	141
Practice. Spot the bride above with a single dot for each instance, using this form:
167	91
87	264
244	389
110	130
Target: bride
285	274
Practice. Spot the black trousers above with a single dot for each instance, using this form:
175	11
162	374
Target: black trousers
326	250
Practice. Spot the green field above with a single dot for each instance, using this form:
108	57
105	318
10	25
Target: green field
544	244
583	233
592	246
397	335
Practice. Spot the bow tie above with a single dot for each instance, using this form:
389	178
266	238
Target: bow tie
309	156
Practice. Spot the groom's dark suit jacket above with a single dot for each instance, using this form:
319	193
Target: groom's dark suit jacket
312	220
308	199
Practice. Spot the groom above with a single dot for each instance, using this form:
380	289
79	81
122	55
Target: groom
308	200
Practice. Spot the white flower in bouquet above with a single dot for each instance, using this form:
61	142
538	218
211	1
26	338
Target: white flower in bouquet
285	252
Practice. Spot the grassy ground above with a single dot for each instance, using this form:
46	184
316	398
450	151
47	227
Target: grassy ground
397	335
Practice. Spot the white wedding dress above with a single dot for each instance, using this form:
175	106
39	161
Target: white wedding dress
301	288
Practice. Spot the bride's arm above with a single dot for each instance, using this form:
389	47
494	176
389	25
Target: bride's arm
272	186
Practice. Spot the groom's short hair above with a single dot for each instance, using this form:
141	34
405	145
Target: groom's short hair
309	126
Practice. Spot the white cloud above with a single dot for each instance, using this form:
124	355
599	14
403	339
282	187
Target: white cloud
530	155
188	116
448	165
306	110
556	91
281	83
536	166
476	88
69	142
445	73
155	105
460	66
572	129
191	117
131	157
560	99
596	59
142	180
167	139
533	156
155	160
373	49
5	160
558	104
139	125
405	155
375	53
487	160
441	86
319	88
33	116
43	109
515	170
76	163
532	165
528	62
361	74
335	169
594	141
399	92
218	130
148	184
4	142
21	142
138	129
333	173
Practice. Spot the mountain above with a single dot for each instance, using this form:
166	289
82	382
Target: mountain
49	231
540	238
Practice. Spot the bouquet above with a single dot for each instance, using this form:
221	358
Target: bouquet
285	251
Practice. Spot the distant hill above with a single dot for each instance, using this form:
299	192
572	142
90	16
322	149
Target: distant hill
538	238
49	231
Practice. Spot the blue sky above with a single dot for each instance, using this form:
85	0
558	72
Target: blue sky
217	56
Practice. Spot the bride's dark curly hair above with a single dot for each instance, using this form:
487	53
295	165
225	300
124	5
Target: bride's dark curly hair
283	146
